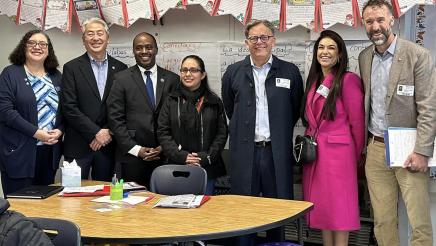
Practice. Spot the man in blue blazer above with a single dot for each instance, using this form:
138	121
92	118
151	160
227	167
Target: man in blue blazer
262	96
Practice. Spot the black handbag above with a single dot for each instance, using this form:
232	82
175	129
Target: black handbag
304	149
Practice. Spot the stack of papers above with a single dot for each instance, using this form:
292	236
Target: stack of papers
182	201
132	200
98	190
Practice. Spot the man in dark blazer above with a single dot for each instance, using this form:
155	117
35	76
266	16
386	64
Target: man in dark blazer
133	108
86	83
262	96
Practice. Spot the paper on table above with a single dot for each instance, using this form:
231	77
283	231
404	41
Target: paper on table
400	142
89	189
132	200
180	201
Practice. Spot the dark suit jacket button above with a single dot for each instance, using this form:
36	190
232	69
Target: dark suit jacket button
246	122
249	103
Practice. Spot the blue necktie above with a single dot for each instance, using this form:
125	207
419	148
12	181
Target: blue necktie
149	86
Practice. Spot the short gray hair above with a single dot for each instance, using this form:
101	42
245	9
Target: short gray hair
95	20
258	22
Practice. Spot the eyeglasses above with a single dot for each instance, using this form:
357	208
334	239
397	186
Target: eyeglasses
33	44
191	70
263	38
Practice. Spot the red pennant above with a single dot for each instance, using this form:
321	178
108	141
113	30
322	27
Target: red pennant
125	13
318	16
216	6
396	7
17	20
282	25
99	9
249	12
44	12
70	16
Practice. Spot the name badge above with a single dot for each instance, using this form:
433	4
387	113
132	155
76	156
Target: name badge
284	83
323	91
406	90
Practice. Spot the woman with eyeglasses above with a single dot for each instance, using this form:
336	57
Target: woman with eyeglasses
30	122
192	126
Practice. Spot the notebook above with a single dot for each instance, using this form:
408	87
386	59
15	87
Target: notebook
35	192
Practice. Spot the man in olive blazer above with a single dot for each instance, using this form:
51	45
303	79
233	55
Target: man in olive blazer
400	91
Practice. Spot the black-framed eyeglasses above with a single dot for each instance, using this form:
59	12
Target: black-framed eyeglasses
33	44
185	70
263	38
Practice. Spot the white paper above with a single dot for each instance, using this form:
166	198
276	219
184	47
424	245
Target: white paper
57	14
401	144
405	5
112	11
180	201
300	12
31	12
9	8
266	10
338	11
132	200
163	6
235	8
86	9
138	9
82	189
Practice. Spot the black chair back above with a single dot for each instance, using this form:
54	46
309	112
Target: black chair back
61	232
178	179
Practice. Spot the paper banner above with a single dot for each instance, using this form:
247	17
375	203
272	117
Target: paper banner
318	16
337	11
138	9
300	12
236	8
86	9
282	26
266	10
9	8
405	5
206	4
31	11
112	12
162	6
59	14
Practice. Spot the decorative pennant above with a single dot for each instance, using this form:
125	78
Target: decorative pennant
405	5
236	8
356	13
266	10
58	14
318	16
86	9
206	4
300	12
162	6
339	11
136	9
282	26
31	11
9	8
113	12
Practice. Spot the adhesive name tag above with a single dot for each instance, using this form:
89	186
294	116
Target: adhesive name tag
284	83
405	90
323	91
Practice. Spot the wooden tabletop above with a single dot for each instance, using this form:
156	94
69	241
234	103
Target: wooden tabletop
222	216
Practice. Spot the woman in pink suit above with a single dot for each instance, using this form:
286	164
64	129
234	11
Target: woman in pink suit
333	112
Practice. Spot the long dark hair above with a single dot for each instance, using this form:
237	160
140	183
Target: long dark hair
316	76
18	55
204	81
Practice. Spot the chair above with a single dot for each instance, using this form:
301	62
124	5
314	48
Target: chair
61	232
178	179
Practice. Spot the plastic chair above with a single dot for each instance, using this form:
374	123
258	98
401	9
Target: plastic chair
178	179
61	232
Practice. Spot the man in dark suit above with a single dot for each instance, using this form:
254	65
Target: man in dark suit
86	83
133	107
262	97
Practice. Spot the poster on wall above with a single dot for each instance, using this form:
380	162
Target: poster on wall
337	11
266	10
112	11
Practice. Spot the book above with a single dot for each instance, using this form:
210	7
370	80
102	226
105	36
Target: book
182	201
400	142
35	192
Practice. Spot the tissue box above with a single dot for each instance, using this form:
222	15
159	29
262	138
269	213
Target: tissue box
71	176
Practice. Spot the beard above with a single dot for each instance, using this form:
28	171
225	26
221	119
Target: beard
385	33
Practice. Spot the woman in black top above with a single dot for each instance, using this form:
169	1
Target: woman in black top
192	126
